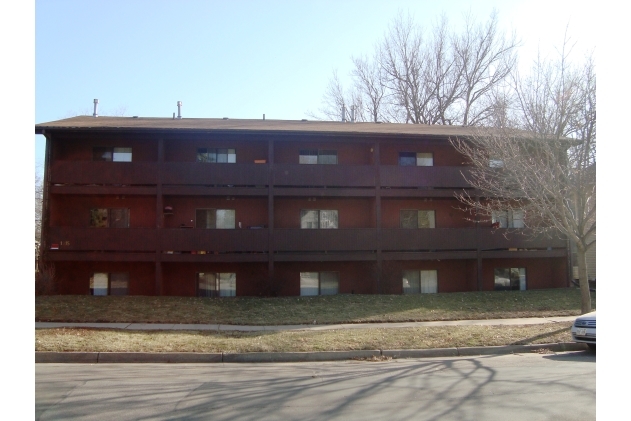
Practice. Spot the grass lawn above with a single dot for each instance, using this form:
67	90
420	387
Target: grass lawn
98	340
307	310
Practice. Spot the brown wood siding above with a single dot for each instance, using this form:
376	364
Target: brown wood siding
352	212
99	172
324	175
249	211
435	177
215	174
74	210
355	154
446	211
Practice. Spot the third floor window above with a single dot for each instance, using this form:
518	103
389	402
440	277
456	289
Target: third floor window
109	218
412	218
217	155
111	154
323	219
214	218
317	156
416	159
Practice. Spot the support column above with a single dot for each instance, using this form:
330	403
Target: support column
159	217
270	214
477	247
377	162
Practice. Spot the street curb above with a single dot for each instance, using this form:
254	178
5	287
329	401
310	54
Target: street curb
266	357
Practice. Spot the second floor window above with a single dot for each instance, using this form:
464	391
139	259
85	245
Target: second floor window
508	219
215	218
418	159
323	219
111	154
215	155
109	218
412	218
314	156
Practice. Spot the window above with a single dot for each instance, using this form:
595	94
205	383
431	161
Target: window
215	218
216	284
109	218
319	283
412	218
111	154
508	219
424	281
507	279
419	159
313	156
323	219
215	155
115	283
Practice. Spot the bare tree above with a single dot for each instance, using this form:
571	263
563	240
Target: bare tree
545	172
429	77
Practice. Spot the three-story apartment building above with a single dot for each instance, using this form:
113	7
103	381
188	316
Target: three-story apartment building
223	207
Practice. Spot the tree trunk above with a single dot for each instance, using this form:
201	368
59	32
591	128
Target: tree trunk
586	299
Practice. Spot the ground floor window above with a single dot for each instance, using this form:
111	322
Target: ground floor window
420	281
210	284
507	279
114	283
319	283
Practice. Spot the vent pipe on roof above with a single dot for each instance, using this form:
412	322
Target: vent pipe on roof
353	113
343	113
263	116
179	109
96	104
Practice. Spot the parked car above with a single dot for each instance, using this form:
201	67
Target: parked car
584	329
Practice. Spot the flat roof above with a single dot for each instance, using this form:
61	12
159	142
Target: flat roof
220	124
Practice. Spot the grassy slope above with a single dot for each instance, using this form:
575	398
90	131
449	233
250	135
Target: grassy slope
306	310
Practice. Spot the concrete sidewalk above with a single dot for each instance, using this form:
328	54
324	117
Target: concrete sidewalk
313	327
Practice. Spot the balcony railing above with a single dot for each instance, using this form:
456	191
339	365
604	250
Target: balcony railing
324	175
105	239
291	240
502	238
214	174
197	173
97	172
288	240
428	239
442	177
215	240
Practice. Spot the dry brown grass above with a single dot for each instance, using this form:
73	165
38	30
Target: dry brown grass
99	340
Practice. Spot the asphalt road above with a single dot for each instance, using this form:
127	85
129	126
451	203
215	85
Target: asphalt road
507	387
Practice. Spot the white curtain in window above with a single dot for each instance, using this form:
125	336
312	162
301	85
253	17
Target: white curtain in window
309	284
429	281
501	218
411	282
98	283
309	219
227	284
122	155
225	219
518	219
426	219
328	219
329	283
424	159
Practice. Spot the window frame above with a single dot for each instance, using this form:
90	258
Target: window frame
414	159
108	288
215	219
431	219
218	291
116	153
423	279
517	279
508	219
109	217
229	153
320	275
320	220
317	157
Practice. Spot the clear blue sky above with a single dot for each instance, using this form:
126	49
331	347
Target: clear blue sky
238	59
